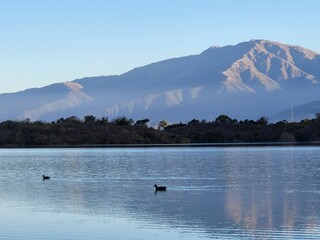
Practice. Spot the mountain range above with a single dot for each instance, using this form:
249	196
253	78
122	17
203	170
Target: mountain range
245	81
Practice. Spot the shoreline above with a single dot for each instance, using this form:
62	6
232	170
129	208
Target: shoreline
262	144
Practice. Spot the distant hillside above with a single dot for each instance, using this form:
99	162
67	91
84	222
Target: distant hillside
297	113
249	80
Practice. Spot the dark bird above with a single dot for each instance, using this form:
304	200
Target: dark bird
45	177
160	188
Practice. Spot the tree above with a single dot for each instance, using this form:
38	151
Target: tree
103	120
223	119
247	121
72	119
60	120
123	121
89	119
162	124
263	121
142	123
193	121
317	117
203	121
282	122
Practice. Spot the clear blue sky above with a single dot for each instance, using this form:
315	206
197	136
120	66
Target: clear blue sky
48	41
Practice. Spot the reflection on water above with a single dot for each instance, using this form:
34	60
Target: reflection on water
212	193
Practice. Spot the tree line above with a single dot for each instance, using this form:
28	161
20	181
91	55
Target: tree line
90	130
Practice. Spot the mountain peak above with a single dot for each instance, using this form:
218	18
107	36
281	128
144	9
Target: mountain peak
269	63
214	47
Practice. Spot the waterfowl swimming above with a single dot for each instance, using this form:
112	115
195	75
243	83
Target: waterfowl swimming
160	188
45	177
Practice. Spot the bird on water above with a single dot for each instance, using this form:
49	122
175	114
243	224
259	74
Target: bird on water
160	188
45	177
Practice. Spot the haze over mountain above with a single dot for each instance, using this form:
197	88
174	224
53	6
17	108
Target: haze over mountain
249	80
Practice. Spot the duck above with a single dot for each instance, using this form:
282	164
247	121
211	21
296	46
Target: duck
160	188
45	177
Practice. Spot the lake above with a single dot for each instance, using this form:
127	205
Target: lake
212	193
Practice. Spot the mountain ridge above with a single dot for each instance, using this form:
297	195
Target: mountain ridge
248	80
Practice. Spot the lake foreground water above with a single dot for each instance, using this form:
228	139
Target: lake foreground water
212	193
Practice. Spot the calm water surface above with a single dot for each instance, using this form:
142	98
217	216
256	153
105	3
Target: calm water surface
212	193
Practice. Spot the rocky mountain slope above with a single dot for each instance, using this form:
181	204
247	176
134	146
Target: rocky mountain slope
249	80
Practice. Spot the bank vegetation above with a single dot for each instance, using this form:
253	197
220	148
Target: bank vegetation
73	131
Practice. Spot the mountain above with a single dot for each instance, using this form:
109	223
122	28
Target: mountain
297	113
248	80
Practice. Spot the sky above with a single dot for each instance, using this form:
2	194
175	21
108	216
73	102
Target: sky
50	41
